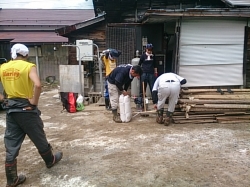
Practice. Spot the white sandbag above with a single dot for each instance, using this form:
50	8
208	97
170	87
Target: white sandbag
125	108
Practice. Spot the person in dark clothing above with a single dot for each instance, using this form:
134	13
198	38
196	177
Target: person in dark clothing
23	87
119	81
149	68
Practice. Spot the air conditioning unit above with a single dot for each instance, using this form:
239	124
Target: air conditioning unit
86	50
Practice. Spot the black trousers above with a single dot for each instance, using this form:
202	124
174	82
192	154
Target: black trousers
147	78
18	124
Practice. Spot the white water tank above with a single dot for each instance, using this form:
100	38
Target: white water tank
86	50
135	84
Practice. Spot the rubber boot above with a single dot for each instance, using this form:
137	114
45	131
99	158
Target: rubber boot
159	118
11	175
168	119
107	104
50	159
116	117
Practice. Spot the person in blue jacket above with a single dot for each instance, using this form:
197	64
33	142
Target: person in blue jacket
119	81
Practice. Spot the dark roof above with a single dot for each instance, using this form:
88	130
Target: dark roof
32	37
131	11
68	29
153	16
44	16
38	25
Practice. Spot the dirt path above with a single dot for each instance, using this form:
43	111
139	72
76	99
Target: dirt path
101	153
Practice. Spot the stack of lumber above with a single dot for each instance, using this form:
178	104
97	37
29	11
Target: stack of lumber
213	106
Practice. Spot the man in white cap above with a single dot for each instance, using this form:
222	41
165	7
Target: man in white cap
23	87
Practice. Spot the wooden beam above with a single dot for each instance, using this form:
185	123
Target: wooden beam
197	121
197	101
221	97
212	90
237	121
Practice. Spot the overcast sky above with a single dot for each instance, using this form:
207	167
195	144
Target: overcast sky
47	4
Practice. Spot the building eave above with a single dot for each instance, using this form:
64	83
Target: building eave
68	29
151	16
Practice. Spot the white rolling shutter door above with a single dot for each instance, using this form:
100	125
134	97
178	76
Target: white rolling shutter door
211	52
238	2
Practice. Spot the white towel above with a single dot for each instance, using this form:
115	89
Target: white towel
148	56
20	49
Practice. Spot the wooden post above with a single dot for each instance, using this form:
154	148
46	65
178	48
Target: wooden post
143	91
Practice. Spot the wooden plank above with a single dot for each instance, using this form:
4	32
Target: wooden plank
217	106
179	113
216	93
222	115
225	97
227	106
236	113
197	101
197	121
233	117
193	109
212	90
202	115
237	122
194	118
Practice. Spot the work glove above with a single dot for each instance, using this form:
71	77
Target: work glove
155	106
156	74
124	92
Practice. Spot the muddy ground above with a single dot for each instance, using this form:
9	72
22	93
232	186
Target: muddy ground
142	153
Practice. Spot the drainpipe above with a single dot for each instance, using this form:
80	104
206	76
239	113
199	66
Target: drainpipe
37	63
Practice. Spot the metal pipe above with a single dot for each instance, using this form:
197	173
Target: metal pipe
37	63
100	69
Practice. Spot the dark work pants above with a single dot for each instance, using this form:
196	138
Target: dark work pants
147	78
18	124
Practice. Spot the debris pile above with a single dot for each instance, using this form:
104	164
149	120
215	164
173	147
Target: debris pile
213	106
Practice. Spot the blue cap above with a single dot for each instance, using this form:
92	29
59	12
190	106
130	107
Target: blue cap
115	53
149	46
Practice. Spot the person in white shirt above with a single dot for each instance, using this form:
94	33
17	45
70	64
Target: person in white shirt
167	85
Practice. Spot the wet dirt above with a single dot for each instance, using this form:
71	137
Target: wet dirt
141	153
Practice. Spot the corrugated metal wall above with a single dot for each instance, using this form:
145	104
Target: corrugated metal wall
211	52
123	39
49	60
